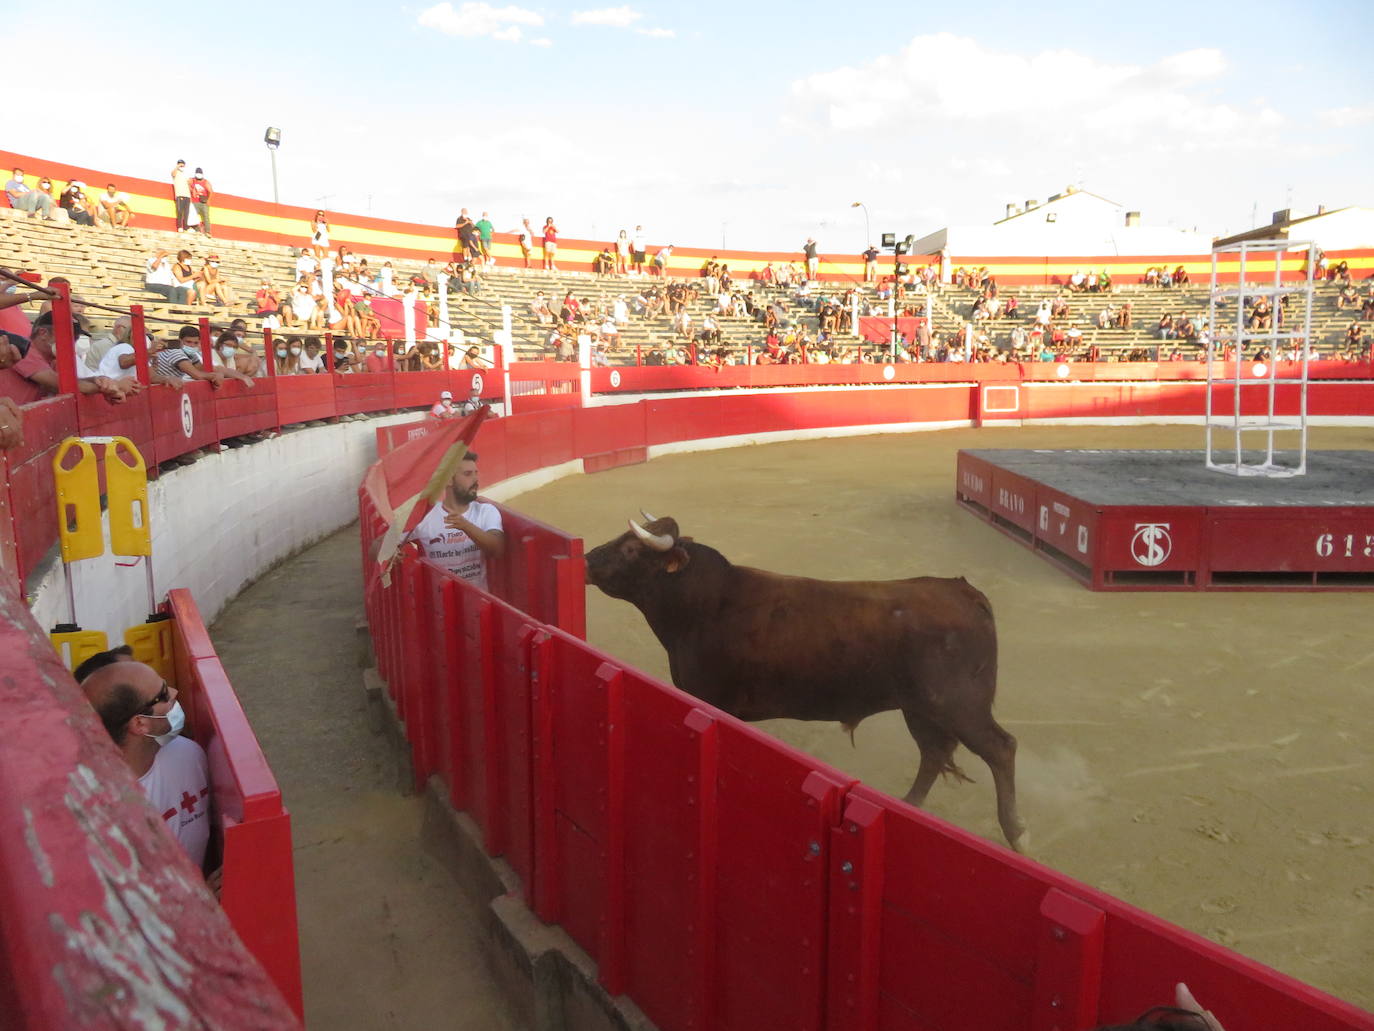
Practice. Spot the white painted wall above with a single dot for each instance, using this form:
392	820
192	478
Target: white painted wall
220	524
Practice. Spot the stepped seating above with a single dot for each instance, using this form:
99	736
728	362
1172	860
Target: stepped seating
106	267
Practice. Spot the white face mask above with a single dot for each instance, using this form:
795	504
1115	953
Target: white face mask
295	350
227	350
176	722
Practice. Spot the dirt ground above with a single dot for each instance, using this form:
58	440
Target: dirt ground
1203	756
384	940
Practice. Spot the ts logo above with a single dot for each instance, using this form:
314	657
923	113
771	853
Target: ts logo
1151	544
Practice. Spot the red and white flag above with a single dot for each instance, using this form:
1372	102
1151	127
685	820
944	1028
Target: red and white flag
406	482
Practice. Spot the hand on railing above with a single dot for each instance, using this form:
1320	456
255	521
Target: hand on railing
11	423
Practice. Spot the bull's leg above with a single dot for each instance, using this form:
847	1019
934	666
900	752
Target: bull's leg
997	748
937	749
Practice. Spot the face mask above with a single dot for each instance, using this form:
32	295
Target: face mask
227	350
380	354
295	350
176	722
214	264
281	352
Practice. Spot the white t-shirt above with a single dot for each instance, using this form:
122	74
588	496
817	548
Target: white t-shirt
159	272
454	549
304	264
178	787
109	365
311	365
181	183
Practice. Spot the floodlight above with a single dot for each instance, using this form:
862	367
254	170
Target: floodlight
272	137
889	239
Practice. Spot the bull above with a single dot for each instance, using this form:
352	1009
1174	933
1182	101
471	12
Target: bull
763	645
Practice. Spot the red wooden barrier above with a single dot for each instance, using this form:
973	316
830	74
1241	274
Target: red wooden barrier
241	409
305	398
356	392
106	922
254	830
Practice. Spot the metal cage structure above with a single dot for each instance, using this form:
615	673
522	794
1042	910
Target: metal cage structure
1243	360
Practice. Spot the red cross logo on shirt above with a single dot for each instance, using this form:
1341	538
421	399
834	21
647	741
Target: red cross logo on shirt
188	801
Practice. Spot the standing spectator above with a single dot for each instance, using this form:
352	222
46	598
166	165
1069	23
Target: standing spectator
870	257
550	245
141	713
114	205
637	251
812	260
466	229
319	234
484	230
200	197
22	198
181	193
74	201
622	253
462	534
33	376
661	261
525	236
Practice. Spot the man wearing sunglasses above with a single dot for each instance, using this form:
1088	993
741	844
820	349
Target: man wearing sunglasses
141	713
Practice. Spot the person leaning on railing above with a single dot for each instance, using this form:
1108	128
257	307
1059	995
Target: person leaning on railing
29	373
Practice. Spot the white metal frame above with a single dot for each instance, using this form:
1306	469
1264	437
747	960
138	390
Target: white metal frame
1222	373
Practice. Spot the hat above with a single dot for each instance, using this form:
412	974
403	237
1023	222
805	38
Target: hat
213	257
447	395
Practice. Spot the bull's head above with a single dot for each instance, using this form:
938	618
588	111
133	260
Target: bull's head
630	564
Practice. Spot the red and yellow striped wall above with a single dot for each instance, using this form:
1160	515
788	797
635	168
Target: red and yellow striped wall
244	219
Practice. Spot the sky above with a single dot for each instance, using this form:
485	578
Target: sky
747	126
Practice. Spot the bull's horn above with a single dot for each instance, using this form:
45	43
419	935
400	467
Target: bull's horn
647	517
657	541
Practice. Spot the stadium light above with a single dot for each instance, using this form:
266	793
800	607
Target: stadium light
272	137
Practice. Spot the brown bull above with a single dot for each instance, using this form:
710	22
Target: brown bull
762	645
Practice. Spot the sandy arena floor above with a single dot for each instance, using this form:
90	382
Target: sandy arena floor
1204	756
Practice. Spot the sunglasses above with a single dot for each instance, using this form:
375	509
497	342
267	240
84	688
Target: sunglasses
165	695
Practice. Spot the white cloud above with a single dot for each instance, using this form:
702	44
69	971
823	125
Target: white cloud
480	19
616	17
1344	117
541	41
1062	93
657	33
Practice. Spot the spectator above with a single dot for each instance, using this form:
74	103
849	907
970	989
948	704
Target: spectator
604	263
311	360
118	333
267	303
870	257
32	375
472	359
182	361
141	713
302	307
210	288
813	261
11	419
158	279
539	308
200	198
287	357
73	201
444	407
466	229
525	236
306	264
622	253
35	202
661	260
114	207
638	250
185	277
319	234
484	231
181	193
344	359
550	245
462	534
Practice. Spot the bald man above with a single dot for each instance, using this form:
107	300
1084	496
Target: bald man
142	715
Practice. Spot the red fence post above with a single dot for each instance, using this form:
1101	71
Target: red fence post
1068	971
702	930
856	899
271	353
64	344
207	350
611	959
138	337
545	899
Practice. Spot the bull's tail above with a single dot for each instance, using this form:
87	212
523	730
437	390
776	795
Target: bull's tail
951	769
850	728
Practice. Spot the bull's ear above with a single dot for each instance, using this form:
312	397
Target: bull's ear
676	559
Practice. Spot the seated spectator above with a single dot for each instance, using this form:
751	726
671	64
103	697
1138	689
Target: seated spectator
113	208
211	289
73	200
1166	326
344	358
600	358
22	198
267	303
1354	336
1181	277
185	278
118	333
30	375
307	264
1123	316
656	356
1348	297
141	713
286	358
604	263
311	360
539	308
158	279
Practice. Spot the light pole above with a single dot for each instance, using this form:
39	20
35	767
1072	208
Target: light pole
272	137
868	233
